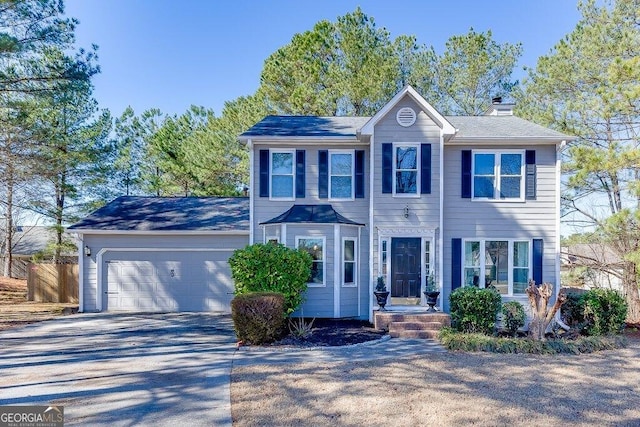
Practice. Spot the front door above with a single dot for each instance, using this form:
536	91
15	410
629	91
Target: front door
405	267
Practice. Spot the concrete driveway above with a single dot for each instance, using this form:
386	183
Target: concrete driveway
123	369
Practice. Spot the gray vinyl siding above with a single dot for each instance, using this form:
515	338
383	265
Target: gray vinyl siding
320	301
98	243
388	210
530	219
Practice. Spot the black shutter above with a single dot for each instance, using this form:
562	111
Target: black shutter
264	173
466	174
456	263
323	174
387	168
538	255
300	177
425	169
530	170
359	175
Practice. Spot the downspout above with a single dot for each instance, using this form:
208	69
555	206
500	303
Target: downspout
440	236
371	228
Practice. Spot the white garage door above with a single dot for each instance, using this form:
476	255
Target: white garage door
168	281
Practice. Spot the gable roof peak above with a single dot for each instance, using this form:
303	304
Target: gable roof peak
408	90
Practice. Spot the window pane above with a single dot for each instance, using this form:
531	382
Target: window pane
315	249
510	188
341	187
406	182
511	164
282	186
484	164
348	272
472	277
520	280
349	253
406	158
497	265
341	164
471	254
483	186
282	163
316	273
521	254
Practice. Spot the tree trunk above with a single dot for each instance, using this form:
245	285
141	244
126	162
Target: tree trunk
542	316
8	239
630	291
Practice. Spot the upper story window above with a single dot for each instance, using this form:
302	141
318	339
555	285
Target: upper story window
341	168
498	175
282	174
405	161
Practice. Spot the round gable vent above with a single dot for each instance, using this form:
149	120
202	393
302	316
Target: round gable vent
406	116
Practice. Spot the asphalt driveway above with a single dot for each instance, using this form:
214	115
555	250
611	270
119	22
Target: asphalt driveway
123	369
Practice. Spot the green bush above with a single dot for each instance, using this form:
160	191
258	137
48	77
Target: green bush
605	311
272	268
475	310
258	317
513	316
456	341
572	311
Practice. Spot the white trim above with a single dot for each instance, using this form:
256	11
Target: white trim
506	140
336	271
81	256
352	153
359	276
273	151
355	262
324	258
440	241
162	232
372	167
438	118
252	185
497	175
557	219
394	180
100	262
405	232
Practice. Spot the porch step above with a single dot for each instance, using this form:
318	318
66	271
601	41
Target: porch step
411	325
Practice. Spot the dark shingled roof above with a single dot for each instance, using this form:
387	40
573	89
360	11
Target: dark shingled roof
468	127
306	126
316	214
133	213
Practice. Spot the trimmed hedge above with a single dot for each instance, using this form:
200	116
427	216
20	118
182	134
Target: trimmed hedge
456	341
475	310
272	268
259	317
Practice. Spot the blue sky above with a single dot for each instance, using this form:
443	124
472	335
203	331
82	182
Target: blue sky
170	54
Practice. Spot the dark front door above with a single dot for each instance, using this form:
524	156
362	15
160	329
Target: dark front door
405	267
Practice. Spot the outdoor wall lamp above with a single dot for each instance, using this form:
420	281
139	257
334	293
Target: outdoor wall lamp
87	250
406	211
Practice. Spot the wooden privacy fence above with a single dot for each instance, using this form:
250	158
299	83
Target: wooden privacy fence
52	283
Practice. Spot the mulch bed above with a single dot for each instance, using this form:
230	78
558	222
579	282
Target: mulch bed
334	332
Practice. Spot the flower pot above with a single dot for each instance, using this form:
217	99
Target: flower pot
432	300
381	298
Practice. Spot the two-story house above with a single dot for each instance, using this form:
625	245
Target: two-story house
409	195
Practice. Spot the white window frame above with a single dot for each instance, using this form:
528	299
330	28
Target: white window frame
394	170
324	259
293	174
384	265
497	155
483	261
330	172
353	284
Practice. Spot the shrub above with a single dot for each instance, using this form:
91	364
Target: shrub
258	317
572	311
272	268
513	316
456	341
605	311
475	310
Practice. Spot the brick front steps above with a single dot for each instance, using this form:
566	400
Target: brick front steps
411	325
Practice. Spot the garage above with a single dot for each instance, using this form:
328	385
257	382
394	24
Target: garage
160	254
168	281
